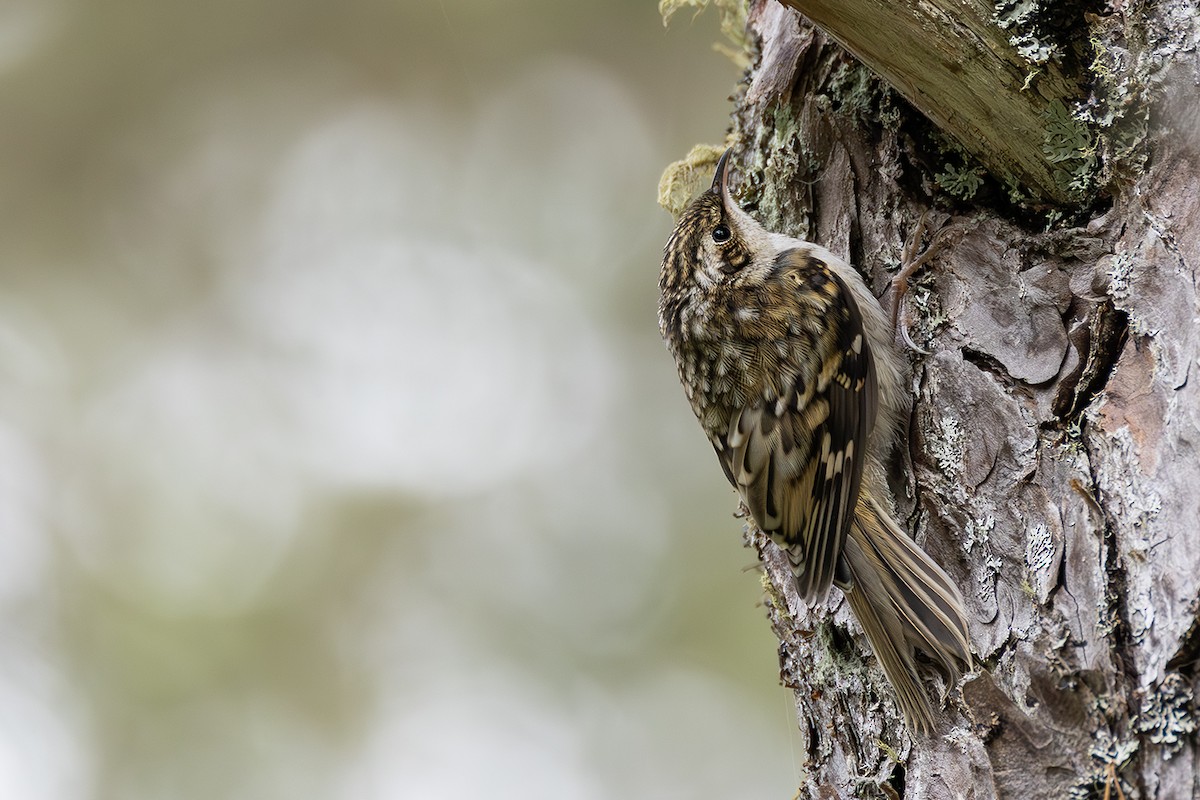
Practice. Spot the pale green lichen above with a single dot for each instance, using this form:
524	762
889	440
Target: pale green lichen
854	90
1040	555
1067	143
946	443
1015	192
1118	275
1138	504
1111	750
834	660
947	449
1020	19
777	602
1130	64
782	163
1117	272
1119	106
961	175
1066	138
1110	755
684	179
1053	218
1101	139
960	181
732	14
923	298
1168	714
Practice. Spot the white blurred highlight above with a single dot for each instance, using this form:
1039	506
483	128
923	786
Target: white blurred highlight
325	315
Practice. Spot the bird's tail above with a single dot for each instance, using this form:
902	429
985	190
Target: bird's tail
904	601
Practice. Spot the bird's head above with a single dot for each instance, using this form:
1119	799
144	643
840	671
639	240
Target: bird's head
714	241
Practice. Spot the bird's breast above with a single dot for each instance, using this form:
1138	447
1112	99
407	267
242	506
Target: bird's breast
733	349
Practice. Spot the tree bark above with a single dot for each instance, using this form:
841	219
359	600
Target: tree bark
1051	463
970	76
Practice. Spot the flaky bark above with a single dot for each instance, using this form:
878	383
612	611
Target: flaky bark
1052	462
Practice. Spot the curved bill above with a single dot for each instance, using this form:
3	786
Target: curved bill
720	181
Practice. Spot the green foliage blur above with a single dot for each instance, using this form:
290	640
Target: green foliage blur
339	454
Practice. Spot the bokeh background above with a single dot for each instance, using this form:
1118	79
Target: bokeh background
339	454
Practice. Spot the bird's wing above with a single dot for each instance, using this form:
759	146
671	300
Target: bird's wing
796	451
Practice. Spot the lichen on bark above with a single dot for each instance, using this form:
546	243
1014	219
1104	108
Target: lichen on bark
1054	446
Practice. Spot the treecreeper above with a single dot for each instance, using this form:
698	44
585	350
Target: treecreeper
788	362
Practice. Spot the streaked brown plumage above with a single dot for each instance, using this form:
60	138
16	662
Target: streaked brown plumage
786	358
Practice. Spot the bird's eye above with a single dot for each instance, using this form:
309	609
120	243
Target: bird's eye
721	234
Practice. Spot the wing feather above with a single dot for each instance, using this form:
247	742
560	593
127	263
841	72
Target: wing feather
796	451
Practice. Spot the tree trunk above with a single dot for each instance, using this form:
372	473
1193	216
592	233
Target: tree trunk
1051	463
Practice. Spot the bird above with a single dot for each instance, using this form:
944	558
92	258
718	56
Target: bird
787	360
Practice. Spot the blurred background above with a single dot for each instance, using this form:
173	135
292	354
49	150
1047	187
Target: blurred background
339	454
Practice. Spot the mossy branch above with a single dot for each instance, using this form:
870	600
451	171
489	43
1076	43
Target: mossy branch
984	76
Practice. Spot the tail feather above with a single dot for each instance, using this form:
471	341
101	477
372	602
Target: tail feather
904	601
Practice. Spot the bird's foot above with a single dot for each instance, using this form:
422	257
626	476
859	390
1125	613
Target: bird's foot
911	260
